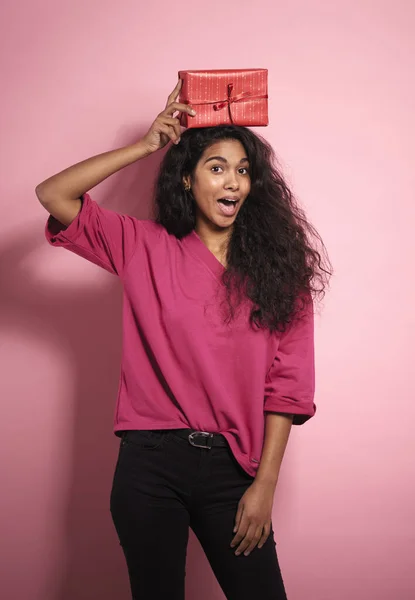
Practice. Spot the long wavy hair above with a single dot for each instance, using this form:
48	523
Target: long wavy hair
273	255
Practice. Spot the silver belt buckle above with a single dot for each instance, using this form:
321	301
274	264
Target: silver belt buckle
208	437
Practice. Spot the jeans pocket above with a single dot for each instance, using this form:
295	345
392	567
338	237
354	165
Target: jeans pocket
144	439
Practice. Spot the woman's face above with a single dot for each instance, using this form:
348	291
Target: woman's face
220	183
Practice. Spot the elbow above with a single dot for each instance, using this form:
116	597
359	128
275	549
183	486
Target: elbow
40	193
44	194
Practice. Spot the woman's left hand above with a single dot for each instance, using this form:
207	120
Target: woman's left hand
253	518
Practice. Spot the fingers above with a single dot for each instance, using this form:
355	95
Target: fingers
172	106
170	132
244	525
175	93
168	126
178	106
265	534
249	535
249	540
254	542
240	535
175	124
238	517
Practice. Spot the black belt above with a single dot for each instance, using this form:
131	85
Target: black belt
201	439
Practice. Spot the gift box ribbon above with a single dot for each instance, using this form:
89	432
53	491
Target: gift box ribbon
219	105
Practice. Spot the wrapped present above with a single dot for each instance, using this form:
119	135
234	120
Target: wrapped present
223	97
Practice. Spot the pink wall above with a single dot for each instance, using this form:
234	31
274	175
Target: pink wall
85	76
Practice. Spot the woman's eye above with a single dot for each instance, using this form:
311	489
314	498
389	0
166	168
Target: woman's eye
219	169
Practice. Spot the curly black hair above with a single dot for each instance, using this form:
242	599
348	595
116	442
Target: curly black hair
271	257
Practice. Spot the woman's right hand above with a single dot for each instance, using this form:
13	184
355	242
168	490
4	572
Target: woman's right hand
166	127
61	194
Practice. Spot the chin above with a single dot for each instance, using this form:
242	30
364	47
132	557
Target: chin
224	223
219	222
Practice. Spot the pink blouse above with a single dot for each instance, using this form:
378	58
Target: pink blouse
182	364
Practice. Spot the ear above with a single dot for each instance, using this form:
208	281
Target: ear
186	181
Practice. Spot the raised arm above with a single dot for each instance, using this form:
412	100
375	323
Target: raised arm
61	194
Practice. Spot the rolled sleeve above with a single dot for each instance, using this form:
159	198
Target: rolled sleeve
102	236
290	382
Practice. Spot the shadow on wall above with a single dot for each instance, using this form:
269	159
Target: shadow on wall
86	325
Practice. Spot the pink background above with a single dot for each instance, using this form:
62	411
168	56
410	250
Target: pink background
85	76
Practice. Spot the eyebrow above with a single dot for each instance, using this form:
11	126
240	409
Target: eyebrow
222	159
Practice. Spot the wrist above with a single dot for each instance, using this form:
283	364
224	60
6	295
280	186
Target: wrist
139	150
266	482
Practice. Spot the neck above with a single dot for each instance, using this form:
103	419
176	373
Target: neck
216	240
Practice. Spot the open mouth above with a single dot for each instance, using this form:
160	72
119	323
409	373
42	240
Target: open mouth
227	206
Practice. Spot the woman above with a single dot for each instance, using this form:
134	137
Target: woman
218	357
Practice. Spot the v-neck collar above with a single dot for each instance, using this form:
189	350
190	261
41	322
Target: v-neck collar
198	247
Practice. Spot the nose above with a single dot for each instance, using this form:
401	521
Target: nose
231	182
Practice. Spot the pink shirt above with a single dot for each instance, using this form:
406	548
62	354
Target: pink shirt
182	365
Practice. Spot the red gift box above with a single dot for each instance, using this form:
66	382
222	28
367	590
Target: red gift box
223	97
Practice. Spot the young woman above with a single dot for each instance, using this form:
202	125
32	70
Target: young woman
218	355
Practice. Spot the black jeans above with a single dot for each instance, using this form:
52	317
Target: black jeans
162	486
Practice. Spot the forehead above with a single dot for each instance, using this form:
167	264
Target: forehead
231	150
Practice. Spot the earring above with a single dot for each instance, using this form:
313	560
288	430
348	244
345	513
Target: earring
187	187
